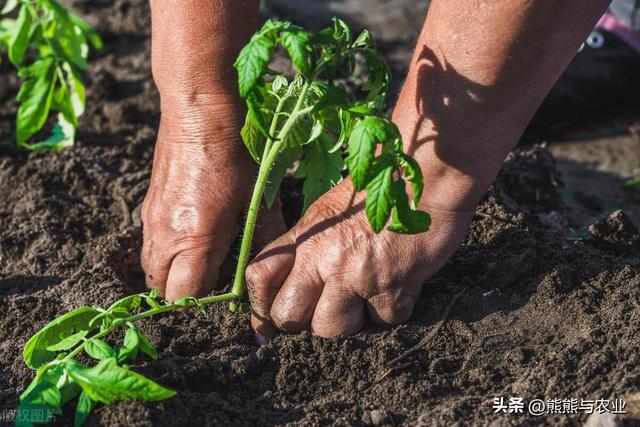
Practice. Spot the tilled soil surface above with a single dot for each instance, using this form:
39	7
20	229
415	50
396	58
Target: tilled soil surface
548	299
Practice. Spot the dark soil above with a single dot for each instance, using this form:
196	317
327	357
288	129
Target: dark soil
550	309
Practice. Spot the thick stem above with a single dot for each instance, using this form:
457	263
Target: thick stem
268	159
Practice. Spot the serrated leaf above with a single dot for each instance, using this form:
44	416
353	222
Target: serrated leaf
365	135
334	96
85	405
253	60
297	43
19	39
35	352
279	84
378	203
320	169
68	342
99	349
108	383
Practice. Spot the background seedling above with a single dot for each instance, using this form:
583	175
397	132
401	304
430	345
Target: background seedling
311	121
49	46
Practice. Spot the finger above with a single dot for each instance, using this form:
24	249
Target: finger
194	272
156	267
264	276
392	307
339	312
293	307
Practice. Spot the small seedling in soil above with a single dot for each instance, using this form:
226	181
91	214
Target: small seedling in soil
49	46
311	122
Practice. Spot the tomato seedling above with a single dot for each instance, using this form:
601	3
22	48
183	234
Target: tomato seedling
49	46
311	122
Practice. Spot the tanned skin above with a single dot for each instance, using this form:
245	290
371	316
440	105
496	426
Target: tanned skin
479	72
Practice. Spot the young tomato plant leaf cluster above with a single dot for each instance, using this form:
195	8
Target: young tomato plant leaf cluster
311	118
309	121
49	46
61	378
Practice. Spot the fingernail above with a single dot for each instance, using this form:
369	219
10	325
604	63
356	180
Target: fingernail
260	339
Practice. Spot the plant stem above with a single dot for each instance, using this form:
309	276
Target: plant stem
272	149
157	310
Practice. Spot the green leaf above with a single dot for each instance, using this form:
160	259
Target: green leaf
85	405
68	342
62	136
363	110
364	39
405	219
341	31
99	349
35	96
62	102
108	383
320	169
316	130
253	138
129	351
334	96
130	302
35	351
20	37
378	203
253	105
87	30
254	57
150	298
378	78
77	92
146	347
413	173
297	42
69	41
365	135
39	405
9	6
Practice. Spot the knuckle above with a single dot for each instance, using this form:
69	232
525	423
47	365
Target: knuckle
254	275
391	308
284	321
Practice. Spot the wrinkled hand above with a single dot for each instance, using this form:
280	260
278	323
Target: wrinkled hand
331	271
200	187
